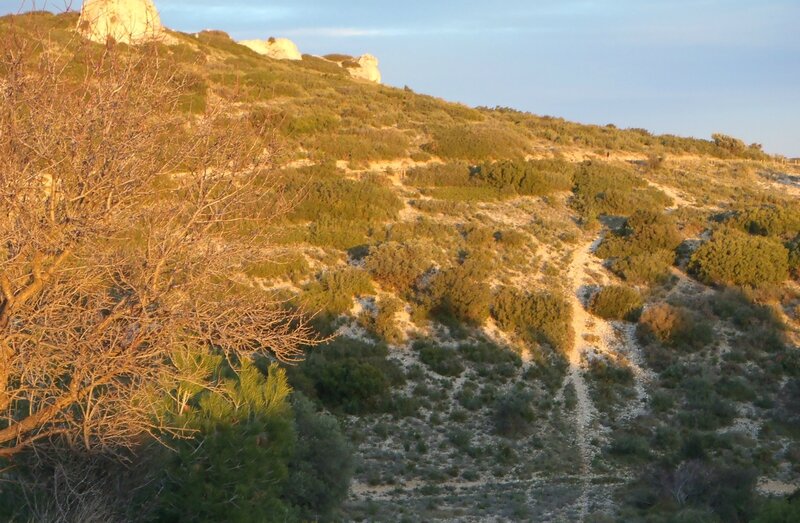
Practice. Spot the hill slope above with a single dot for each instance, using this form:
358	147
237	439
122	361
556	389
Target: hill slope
535	319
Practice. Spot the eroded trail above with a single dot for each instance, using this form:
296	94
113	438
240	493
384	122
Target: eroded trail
584	329
595	337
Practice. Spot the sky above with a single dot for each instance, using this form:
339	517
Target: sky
686	67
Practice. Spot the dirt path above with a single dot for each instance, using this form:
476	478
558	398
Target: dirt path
584	330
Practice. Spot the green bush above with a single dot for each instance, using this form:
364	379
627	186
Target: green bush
349	375
441	360
540	317
732	257
617	302
461	293
645	268
785	510
293	267
322	464
604	189
330	196
475	142
398	266
382	324
534	177
334	290
780	221
513	413
236	467
644	232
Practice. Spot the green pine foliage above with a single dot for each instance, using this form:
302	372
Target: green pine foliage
732	257
236	465
322	464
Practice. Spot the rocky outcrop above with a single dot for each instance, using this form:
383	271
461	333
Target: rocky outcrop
366	68
126	21
277	48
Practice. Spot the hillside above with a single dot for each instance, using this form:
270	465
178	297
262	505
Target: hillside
525	319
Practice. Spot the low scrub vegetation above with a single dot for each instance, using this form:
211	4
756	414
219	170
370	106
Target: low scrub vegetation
736	258
617	302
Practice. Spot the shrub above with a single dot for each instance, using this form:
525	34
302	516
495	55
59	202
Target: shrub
322	464
349	375
383	323
397	265
334	290
441	360
535	177
645	232
332	197
645	268
735	258
617	302
513	413
293	267
243	444
675	327
784	510
461	292
542	317
475	142
606	189
781	221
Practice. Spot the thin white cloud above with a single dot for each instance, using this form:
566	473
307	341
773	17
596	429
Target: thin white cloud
361	32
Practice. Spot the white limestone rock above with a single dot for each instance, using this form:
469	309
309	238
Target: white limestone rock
366	68
277	48
126	21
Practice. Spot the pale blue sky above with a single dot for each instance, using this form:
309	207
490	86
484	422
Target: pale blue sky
689	67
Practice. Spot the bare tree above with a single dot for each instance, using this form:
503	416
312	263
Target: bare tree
123	225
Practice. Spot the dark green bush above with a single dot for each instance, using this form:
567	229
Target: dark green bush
322	464
331	196
617	302
513	413
732	257
441	360
348	375
784	510
243	444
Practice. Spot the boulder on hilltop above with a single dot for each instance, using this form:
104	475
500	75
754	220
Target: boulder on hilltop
277	48
126	21
367	69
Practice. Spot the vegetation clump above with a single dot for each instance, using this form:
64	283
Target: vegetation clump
617	302
732	257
